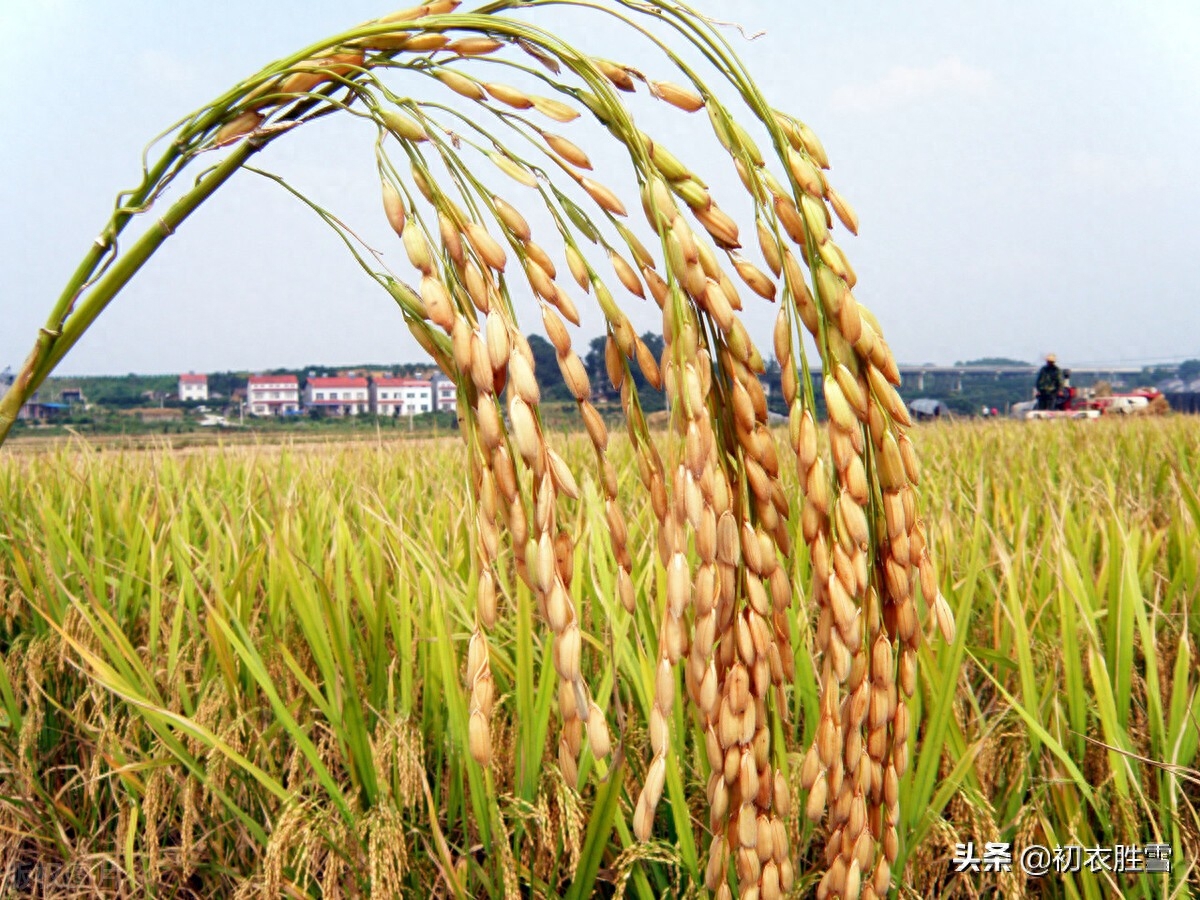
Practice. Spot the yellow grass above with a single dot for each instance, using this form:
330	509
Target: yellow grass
241	668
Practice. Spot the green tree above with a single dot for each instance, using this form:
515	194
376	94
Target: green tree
596	370
1189	370
546	365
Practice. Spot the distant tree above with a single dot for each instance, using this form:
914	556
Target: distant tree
308	372
225	383
1189	369
546	365
598	372
1155	374
772	373
993	361
127	391
593	362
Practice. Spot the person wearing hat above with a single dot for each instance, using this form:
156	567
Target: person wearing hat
1049	382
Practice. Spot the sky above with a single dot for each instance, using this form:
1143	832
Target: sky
1024	174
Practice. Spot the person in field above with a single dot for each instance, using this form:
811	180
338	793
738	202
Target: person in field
1049	382
1066	393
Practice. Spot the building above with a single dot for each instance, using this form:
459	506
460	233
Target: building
401	396
193	387
35	409
445	393
338	396
272	395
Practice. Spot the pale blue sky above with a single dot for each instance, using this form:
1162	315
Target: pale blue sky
1025	174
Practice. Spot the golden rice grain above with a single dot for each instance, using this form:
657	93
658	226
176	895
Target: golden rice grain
417	247
755	278
239	127
426	41
805	173
615	73
513	169
403	127
480	739
473	46
508	95
524	429
437	302
459	83
512	219
604	197
393	207
486	247
843	210
677	96
555	109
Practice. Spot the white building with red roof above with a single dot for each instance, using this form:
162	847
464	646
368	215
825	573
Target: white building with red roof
445	393
340	396
272	395
401	396
193	387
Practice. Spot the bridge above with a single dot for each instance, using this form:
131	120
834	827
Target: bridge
919	372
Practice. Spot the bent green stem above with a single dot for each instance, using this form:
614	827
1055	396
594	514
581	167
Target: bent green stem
59	334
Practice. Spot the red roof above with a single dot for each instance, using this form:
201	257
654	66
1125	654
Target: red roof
337	382
402	382
193	379
274	379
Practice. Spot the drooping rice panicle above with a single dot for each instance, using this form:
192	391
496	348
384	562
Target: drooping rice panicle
720	508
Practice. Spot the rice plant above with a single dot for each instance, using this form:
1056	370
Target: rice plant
239	670
300	632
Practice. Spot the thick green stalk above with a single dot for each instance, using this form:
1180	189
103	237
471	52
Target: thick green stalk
60	334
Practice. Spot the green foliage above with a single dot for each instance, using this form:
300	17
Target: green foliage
261	669
549	377
256	656
1189	370
994	361
652	399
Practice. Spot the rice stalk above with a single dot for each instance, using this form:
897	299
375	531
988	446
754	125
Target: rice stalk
716	486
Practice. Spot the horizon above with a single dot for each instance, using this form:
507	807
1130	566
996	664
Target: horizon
983	363
1020	190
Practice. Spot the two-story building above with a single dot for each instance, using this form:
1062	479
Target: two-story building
401	396
273	395
193	387
445	393
338	396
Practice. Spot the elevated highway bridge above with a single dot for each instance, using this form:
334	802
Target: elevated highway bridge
916	373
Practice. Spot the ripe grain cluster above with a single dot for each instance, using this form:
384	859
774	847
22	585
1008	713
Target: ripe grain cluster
683	633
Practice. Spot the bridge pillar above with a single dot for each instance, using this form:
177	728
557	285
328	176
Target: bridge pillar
921	380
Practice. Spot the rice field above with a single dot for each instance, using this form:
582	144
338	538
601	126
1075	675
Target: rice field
238	672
